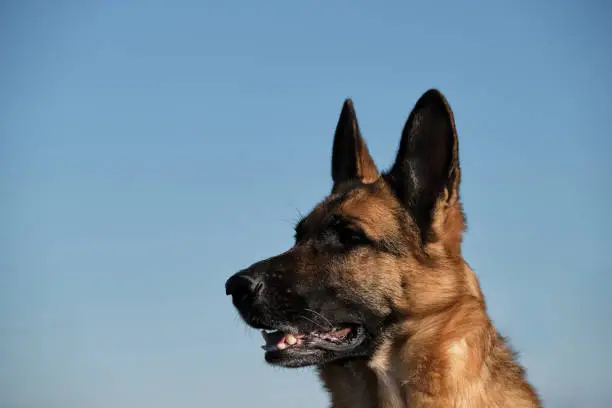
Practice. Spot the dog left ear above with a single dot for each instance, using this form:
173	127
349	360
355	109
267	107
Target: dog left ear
426	173
351	159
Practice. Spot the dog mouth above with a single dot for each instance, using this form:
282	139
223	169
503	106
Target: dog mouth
338	339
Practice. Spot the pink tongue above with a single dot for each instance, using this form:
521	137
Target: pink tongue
339	334
279	338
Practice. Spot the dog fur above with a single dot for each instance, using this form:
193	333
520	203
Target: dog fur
381	256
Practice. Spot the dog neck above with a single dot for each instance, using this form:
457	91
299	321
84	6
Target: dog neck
451	358
364	383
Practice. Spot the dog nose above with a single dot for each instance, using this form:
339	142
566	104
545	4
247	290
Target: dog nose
243	287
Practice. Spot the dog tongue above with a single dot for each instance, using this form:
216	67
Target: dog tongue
340	334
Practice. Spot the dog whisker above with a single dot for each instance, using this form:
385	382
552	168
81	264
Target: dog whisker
331	326
314	322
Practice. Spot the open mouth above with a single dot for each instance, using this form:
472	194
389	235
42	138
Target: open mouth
337	339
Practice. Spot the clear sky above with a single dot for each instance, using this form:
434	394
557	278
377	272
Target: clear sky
147	152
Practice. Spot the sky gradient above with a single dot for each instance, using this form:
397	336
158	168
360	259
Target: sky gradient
147	152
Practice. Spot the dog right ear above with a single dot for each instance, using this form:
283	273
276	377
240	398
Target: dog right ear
426	173
351	159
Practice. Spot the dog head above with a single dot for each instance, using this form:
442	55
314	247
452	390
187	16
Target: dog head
379	248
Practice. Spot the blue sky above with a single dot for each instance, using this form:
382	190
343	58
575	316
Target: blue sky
147	152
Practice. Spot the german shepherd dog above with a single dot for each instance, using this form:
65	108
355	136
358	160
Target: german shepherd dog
375	292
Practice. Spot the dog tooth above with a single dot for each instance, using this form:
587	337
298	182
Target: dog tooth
290	339
281	346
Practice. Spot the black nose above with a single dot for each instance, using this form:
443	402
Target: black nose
243	287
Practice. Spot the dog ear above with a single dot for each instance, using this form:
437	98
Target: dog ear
426	171
350	157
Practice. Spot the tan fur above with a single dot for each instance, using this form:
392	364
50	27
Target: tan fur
452	358
445	352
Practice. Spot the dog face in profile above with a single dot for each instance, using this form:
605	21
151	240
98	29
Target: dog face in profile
359	263
375	286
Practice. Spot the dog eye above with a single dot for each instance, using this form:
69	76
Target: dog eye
350	236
